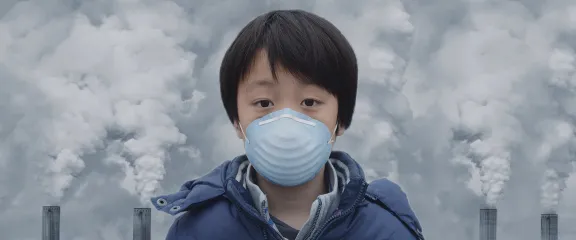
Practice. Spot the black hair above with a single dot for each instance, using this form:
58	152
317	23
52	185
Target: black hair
306	45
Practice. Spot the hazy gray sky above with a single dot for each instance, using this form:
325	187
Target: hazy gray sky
104	103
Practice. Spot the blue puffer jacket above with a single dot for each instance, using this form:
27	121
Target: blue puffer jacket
218	207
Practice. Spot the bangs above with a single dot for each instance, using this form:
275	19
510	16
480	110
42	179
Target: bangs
305	45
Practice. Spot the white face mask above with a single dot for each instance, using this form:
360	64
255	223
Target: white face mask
288	148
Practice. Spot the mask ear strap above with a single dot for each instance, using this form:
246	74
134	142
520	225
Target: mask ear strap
333	136
242	130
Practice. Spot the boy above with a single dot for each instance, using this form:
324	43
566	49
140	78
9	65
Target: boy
288	83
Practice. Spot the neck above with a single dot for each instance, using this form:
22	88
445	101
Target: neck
295	200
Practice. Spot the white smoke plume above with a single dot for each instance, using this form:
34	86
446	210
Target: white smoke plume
558	148
116	77
528	41
482	63
479	91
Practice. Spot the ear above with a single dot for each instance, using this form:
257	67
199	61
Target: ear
340	130
238	130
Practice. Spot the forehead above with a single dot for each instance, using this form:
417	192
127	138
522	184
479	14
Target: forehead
260	74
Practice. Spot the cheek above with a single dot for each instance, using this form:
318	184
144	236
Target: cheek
329	117
331	125
246	116
332	111
243	110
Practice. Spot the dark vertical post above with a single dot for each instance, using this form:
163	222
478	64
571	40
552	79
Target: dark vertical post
142	224
488	223
51	223
549	226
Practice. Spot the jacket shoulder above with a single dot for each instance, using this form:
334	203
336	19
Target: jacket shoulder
208	222
391	201
194	193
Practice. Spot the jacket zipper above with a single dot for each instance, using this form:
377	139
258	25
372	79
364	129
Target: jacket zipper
315	220
253	214
341	215
260	222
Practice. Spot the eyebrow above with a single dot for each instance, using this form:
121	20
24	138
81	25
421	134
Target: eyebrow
260	83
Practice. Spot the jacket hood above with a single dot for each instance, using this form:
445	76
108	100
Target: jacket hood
194	192
211	186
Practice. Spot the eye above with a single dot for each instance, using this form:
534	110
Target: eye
264	103
309	102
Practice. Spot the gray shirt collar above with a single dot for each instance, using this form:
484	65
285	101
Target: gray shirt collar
329	200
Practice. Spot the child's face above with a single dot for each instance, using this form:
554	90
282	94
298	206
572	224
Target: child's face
259	94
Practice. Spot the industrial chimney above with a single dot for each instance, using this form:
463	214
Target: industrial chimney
51	223
142	224
488	223
549	226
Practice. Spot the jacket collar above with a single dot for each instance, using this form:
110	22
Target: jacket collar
214	185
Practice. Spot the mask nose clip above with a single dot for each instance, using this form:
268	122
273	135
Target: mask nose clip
332	137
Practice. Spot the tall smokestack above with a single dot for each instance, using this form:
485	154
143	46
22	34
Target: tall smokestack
488	223
51	223
549	226
142	224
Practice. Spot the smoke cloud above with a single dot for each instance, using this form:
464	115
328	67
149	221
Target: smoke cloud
558	147
482	63
98	82
489	86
